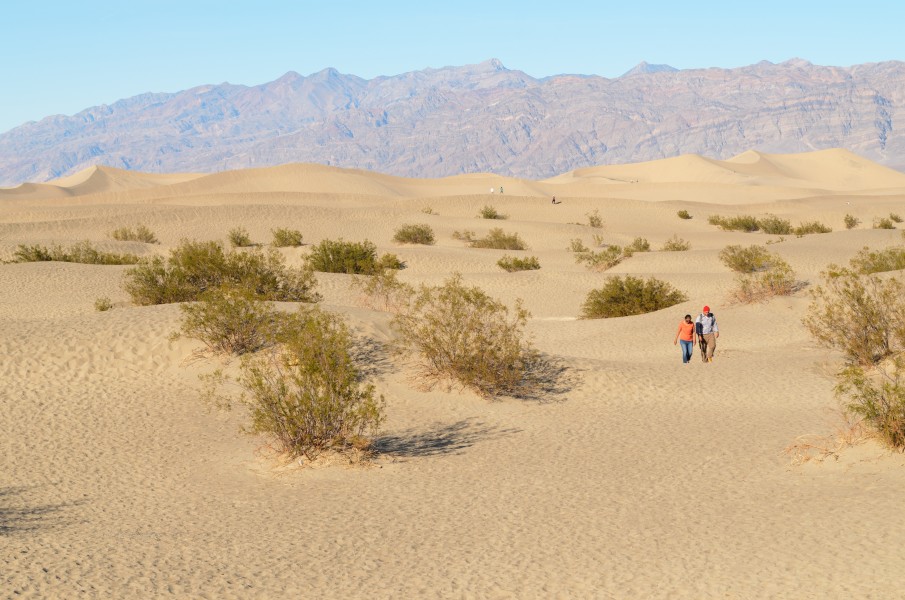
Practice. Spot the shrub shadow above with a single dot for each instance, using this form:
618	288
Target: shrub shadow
441	440
550	379
16	516
372	357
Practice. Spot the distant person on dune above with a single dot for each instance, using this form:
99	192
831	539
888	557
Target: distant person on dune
707	331
686	335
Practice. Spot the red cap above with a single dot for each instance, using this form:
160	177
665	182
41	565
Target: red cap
706	309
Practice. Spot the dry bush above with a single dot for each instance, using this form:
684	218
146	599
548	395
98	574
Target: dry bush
675	244
811	227
623	297
286	238
851	221
229	321
638	245
489	212
747	260
594	219
304	392
82	252
428	210
458	334
497	239
880	261
883	223
745	223
773	225
464	236
239	238
103	304
353	258
414	234
383	291
814	447
602	260
683	214
195	267
878	396
861	316
512	263
895	218
140	234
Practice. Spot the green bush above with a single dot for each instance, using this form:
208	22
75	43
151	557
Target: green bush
239	238
82	252
675	244
741	223
637	245
895	218
496	239
414	234
353	258
286	238
851	221
878	397
512	264
594	219
305	392
883	223
195	267
683	214
861	316
889	259
103	304
459	334
623	297
489	212
747	260
229	321
777	280
773	225
139	234
811	227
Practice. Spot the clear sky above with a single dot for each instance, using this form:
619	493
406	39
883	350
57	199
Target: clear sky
62	57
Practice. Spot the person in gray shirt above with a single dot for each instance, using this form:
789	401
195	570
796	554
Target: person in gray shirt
708	331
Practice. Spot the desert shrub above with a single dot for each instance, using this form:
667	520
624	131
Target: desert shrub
637	245
497	239
883	223
594	219
878	396
773	225
675	244
305	391
811	227
103	304
777	280
428	210
459	334
889	259
741	223
851	221
747	260
861	316
239	238
286	238
512	263
195	267
383	291
683	214
601	260
623	297
464	236
895	218
489	212
354	258
414	234
140	234
82	252
229	320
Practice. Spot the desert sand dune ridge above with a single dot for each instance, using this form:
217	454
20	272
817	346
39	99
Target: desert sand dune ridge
643	478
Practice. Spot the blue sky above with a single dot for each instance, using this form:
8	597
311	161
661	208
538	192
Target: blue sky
62	57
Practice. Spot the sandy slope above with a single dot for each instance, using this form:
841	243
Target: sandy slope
647	479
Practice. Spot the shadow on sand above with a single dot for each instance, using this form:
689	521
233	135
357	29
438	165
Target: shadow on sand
441	440
17	516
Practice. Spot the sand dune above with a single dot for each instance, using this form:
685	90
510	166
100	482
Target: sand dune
646	479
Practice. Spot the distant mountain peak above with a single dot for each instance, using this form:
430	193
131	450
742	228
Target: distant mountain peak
644	68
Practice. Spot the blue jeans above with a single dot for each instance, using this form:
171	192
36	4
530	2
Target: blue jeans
687	347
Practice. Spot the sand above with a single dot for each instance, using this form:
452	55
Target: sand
646	479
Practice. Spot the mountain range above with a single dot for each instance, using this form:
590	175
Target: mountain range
476	118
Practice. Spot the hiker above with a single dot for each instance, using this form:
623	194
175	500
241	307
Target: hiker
501	190
707	331
554	199
686	335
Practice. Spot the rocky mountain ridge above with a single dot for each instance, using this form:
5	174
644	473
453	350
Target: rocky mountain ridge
476	118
